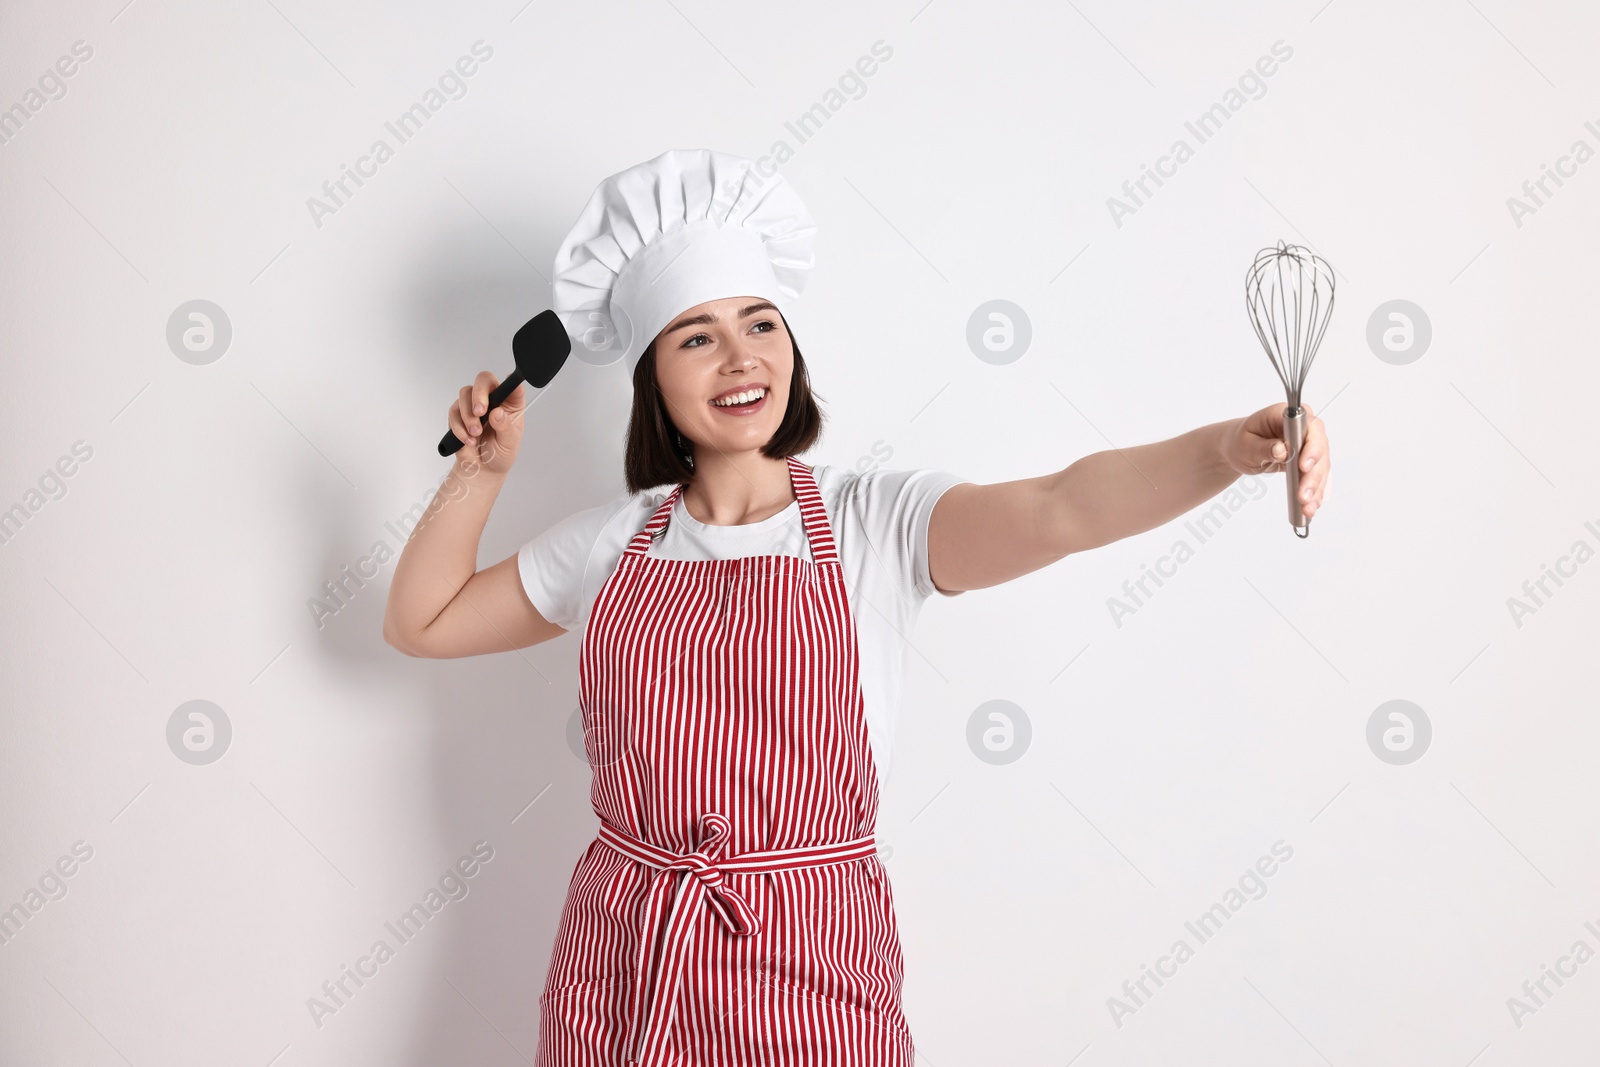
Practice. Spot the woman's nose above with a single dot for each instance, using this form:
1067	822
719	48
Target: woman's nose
736	354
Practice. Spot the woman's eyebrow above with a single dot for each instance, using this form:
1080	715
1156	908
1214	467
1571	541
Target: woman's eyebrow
705	318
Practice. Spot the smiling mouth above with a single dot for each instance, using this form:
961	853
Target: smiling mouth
744	409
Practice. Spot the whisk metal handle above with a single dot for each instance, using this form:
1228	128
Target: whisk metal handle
1294	437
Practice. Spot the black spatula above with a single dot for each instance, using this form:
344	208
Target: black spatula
540	347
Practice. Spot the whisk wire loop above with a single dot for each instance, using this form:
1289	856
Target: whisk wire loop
1288	291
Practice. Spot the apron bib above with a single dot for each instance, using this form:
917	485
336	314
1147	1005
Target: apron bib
733	909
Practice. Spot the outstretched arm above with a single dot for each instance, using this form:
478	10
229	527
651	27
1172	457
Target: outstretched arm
982	535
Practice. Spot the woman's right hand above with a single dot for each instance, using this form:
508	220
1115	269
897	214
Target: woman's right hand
492	446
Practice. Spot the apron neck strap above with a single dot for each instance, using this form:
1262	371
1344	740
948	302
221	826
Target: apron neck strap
806	492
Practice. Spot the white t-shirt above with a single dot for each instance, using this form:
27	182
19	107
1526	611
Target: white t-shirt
880	528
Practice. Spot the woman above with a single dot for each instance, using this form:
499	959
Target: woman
739	665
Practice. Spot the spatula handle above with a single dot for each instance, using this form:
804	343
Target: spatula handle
449	444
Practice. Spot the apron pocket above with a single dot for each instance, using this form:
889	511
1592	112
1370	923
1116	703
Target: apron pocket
588	985
850	1016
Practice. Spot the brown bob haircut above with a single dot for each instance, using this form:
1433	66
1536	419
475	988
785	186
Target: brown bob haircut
657	454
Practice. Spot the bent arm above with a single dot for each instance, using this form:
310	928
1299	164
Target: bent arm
983	535
440	605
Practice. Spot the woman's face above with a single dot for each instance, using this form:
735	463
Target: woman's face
720	349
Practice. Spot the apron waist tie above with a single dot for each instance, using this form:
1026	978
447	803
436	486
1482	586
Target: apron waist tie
659	974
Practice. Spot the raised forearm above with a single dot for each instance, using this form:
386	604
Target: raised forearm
441	555
1109	495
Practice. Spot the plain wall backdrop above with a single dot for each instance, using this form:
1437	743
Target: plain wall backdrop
177	493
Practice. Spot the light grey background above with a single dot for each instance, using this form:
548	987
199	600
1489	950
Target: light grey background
1167	753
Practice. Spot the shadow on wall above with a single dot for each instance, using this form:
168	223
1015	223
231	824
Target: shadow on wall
510	800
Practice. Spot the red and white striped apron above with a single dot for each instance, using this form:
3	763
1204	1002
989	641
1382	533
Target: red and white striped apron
733	909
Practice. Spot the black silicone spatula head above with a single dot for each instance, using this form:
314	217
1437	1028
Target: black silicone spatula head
539	348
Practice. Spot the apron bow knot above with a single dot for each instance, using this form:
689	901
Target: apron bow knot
728	903
689	879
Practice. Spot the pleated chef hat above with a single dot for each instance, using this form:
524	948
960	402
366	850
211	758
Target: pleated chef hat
655	240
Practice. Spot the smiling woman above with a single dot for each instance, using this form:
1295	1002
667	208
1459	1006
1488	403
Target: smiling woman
744	623
675	396
741	654
746	584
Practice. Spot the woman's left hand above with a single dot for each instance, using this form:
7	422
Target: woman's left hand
1254	445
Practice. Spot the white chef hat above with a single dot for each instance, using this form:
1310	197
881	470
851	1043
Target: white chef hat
655	240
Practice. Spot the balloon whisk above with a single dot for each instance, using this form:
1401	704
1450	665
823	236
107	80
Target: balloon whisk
1288	291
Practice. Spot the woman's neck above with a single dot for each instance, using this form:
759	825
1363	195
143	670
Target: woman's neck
737	490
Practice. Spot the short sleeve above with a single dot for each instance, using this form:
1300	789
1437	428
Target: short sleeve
554	564
896	508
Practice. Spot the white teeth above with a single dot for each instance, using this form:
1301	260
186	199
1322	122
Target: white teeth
740	398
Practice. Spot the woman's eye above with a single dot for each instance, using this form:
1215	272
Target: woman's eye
768	323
